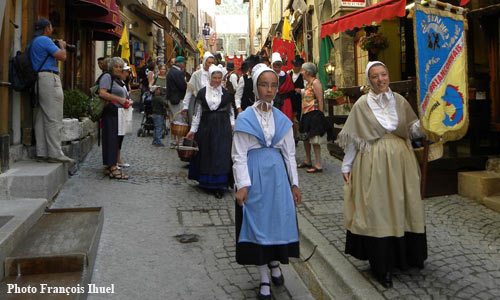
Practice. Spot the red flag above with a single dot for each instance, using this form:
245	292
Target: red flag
287	51
464	2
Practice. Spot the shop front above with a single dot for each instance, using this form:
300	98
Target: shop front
391	22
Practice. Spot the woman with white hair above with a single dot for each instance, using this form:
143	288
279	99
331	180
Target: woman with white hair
313	126
111	89
267	184
383	209
211	128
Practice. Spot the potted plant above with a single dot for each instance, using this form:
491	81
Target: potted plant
75	104
333	93
374	42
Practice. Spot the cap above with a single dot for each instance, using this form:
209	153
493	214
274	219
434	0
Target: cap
126	67
180	59
40	26
230	65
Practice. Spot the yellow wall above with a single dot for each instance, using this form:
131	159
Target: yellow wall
392	55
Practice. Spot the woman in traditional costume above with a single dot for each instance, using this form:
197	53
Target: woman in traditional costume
212	130
383	208
286	89
266	178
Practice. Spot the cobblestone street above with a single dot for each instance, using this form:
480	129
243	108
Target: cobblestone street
139	254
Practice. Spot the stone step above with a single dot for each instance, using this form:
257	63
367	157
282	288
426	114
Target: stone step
492	202
16	219
478	185
31	179
59	251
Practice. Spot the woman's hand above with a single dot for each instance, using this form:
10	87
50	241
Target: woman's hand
190	135
232	128
298	91
297	196
346	177
241	196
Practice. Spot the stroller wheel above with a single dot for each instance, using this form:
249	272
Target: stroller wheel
140	132
143	133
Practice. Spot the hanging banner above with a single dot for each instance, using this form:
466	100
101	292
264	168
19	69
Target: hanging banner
237	62
287	51
441	56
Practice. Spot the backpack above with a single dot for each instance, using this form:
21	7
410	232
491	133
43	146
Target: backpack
22	76
96	103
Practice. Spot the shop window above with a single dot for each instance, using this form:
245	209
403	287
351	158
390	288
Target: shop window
361	60
241	44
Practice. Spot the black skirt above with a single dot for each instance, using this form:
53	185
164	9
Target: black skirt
313	124
387	253
255	254
110	139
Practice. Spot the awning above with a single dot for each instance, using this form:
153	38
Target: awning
160	20
492	10
191	44
384	10
90	8
110	21
114	33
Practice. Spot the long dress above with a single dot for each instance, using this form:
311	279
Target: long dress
383	209
211	166
264	162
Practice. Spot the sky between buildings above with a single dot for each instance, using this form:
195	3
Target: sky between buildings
230	17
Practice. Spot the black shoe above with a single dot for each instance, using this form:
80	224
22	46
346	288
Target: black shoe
277	281
385	280
264	297
218	194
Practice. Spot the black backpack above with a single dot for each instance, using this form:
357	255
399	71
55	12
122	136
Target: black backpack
22	76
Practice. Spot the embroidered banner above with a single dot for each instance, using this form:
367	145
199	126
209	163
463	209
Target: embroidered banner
287	51
237	62
440	51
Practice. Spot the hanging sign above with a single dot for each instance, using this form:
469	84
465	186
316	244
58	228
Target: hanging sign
353	3
441	56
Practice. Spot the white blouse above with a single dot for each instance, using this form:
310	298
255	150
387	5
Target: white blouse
214	98
244	142
384	109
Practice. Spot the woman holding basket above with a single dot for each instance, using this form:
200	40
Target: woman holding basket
211	128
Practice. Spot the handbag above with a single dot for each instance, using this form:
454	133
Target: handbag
125	121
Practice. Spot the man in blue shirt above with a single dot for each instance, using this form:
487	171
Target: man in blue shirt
44	54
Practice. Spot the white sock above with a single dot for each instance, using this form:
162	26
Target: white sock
275	271
264	290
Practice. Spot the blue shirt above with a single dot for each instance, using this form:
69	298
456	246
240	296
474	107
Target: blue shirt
40	48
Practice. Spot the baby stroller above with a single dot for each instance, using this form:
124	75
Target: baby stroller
147	123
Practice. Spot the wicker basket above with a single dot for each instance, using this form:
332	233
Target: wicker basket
179	130
187	149
435	152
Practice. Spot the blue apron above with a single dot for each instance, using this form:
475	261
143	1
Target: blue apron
269	216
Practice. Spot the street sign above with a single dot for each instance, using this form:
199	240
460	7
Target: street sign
353	3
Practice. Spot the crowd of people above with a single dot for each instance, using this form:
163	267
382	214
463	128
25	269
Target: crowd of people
247	125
